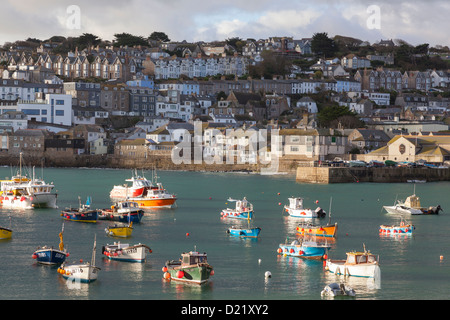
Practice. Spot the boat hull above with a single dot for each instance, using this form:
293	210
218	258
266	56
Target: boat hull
108	214
121	192
340	267
237	214
136	253
397	209
251	233
84	273
305	252
120	232
73	215
393	230
50	256
150	203
44	200
16	202
195	274
328	231
5	233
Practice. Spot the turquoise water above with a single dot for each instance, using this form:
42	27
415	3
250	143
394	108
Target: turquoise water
411	267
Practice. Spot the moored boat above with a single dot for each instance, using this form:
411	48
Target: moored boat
335	289
83	213
122	211
306	249
296	209
193	267
244	232
125	252
145	193
309	229
412	206
402	228
39	193
50	255
84	272
242	210
358	264
9	200
6	233
120	231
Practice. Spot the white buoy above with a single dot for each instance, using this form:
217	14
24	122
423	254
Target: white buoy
268	274
259	261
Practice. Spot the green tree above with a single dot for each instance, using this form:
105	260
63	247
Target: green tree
322	45
159	36
328	113
126	39
86	40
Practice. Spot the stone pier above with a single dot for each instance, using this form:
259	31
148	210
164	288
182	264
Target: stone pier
357	174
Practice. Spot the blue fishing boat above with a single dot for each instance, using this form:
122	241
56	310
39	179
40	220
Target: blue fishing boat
243	210
305	249
122	211
50	255
244	232
83	213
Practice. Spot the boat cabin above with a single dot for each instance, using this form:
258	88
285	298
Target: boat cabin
360	257
193	258
412	202
295	203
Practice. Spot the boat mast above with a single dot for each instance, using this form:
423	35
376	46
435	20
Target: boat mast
329	214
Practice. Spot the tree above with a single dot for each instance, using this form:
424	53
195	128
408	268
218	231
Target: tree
322	45
87	40
329	113
159	36
126	39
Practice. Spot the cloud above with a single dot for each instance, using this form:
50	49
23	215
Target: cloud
413	21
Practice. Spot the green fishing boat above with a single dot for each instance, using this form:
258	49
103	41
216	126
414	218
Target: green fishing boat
192	267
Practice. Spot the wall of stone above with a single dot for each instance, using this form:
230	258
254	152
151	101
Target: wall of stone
347	175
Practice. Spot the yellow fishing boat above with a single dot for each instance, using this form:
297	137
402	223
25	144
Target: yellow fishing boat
121	231
328	231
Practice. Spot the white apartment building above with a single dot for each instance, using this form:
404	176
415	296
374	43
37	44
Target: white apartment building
51	108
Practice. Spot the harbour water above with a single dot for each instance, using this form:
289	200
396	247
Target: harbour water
412	267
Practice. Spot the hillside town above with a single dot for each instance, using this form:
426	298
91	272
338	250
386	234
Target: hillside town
317	100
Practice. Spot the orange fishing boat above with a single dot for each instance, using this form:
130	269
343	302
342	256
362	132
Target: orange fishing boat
307	229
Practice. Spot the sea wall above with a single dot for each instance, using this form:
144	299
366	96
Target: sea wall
386	174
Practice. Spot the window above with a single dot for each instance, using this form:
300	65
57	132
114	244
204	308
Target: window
59	112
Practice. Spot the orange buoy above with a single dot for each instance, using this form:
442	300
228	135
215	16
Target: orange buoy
164	269
167	276
180	274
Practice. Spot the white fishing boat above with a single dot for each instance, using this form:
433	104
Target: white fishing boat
83	272
296	209
242	210
39	193
411	206
125	252
358	264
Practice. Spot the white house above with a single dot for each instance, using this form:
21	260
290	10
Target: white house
309	104
51	108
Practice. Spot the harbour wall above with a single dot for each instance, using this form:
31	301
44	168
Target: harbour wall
358	174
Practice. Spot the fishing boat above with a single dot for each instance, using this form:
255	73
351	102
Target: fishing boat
125	252
85	272
401	228
40	193
296	209
83	213
122	211
358	264
193	267
307	228
6	233
49	255
120	231
412	206
244	232
146	193
307	249
242	210
335	289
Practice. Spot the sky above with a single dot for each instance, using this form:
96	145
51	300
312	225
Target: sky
414	21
